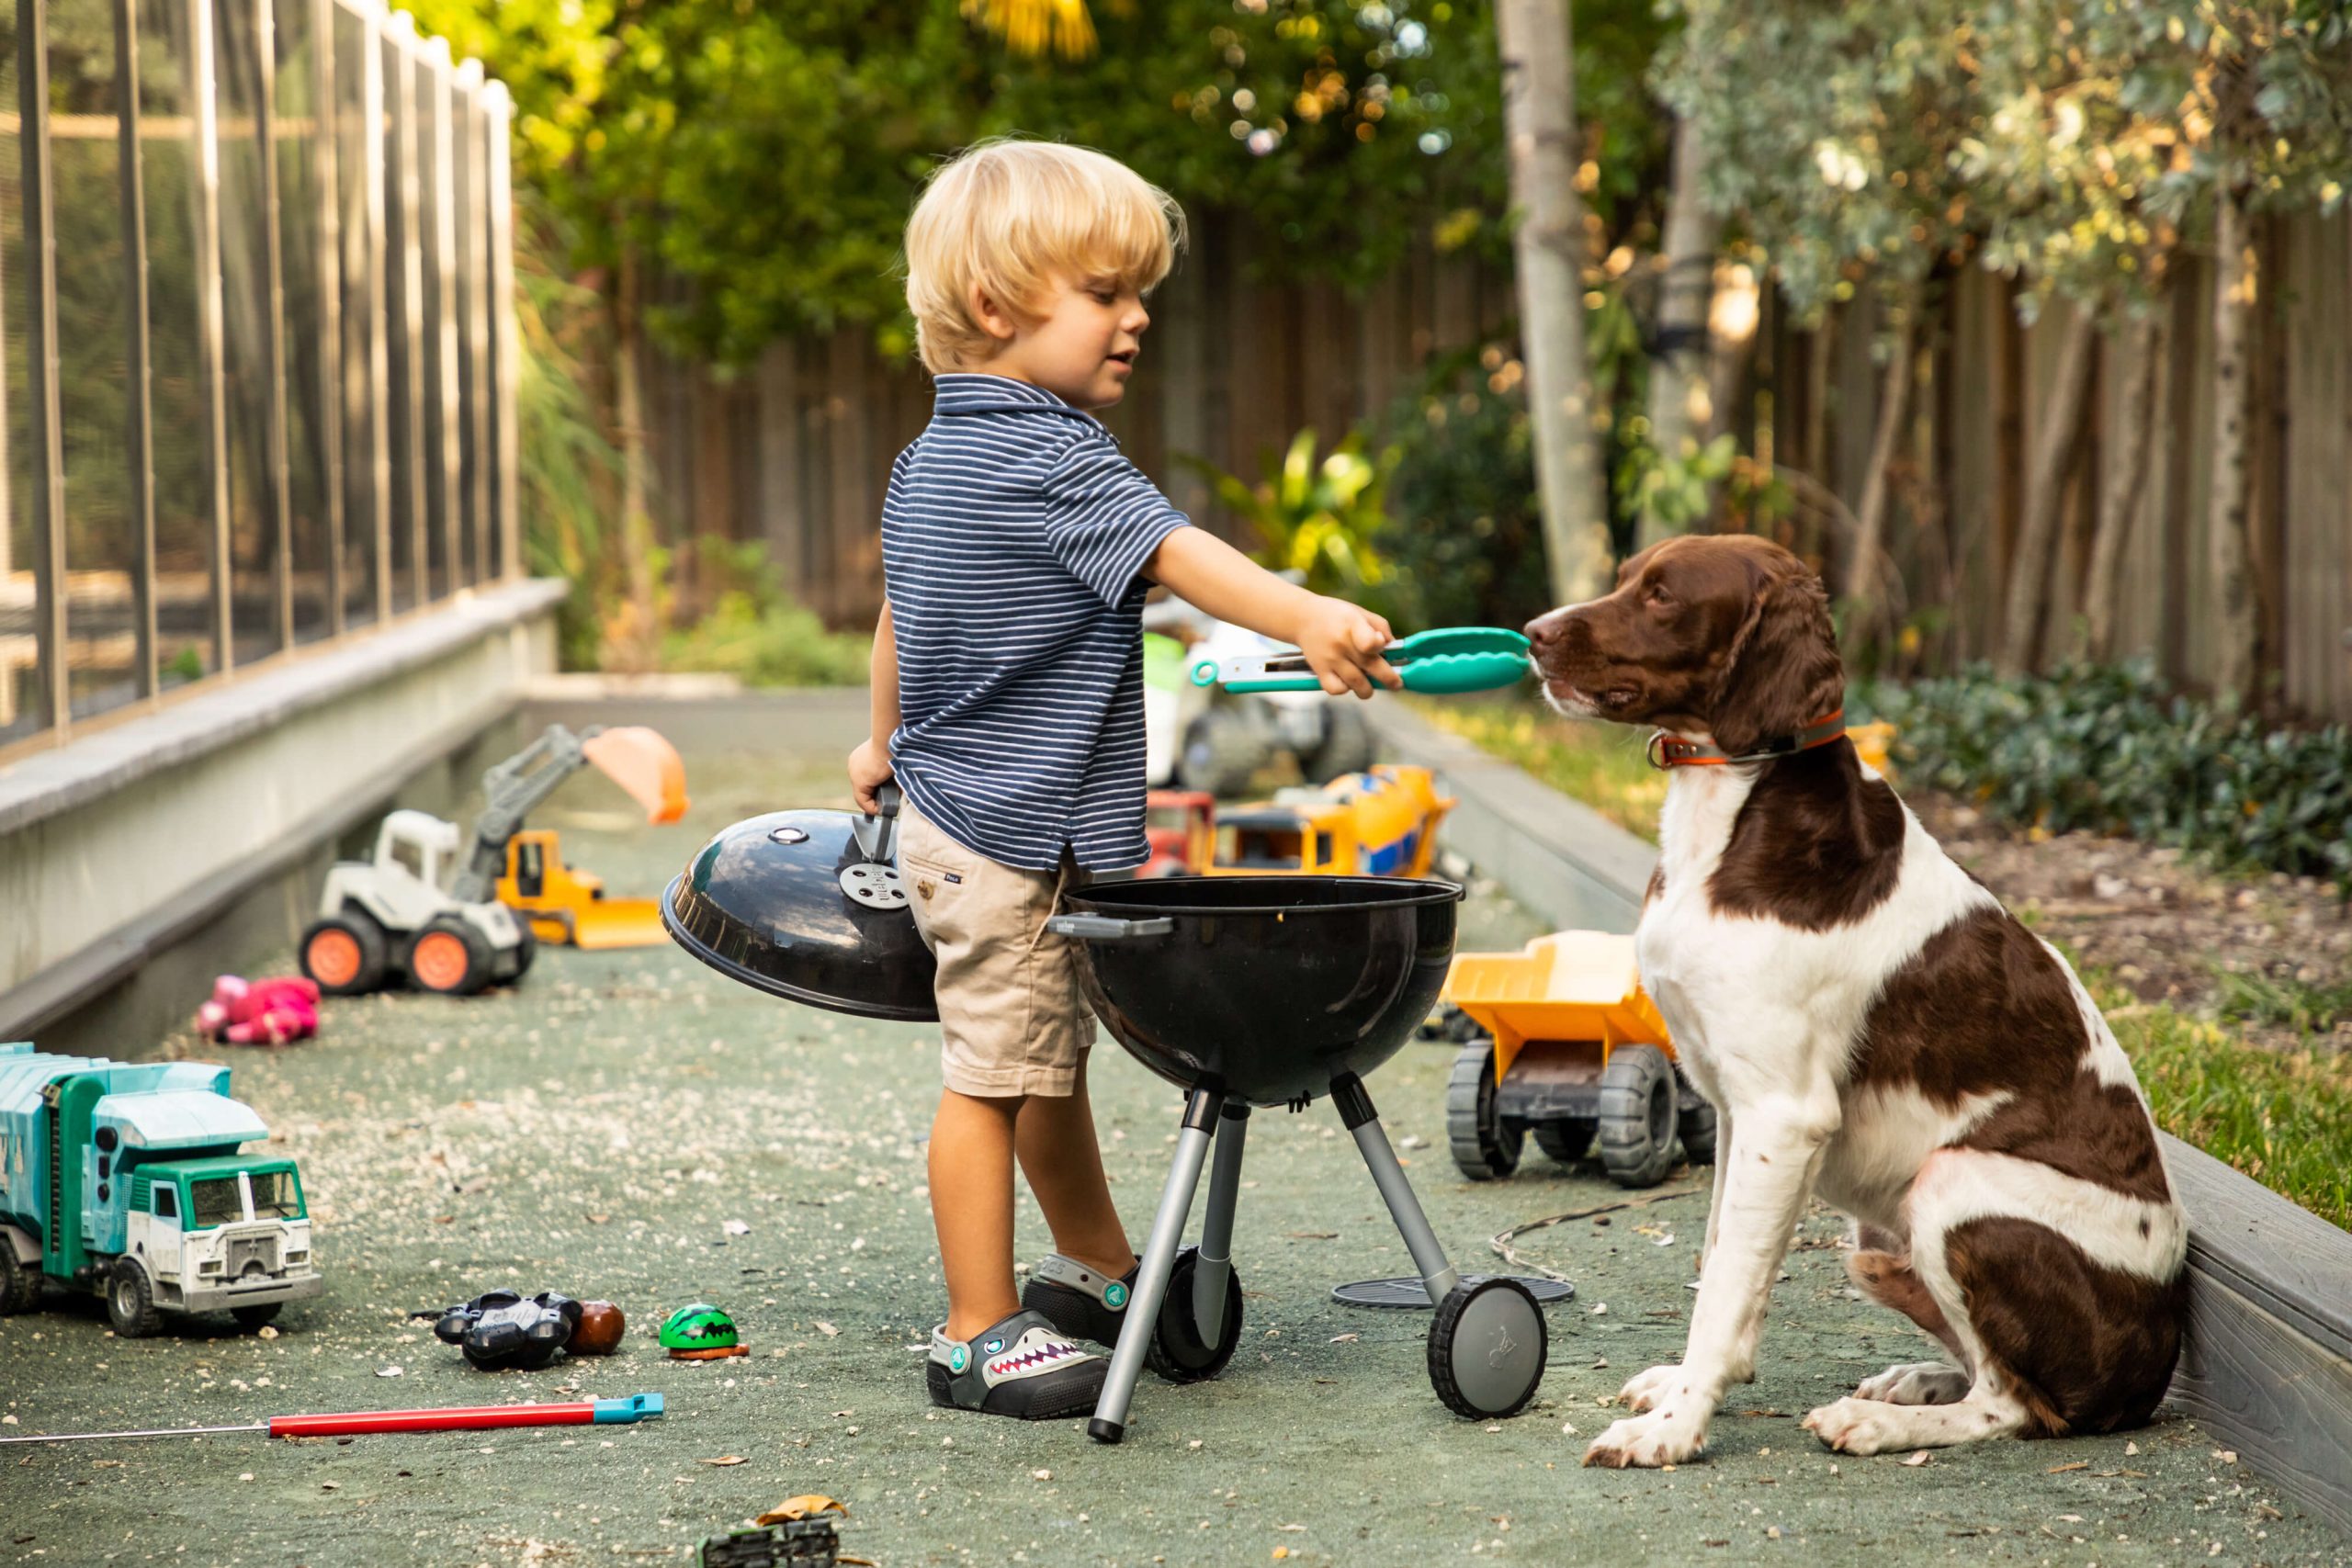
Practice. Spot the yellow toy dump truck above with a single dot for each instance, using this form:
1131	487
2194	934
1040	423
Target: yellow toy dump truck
1559	1040
1382	822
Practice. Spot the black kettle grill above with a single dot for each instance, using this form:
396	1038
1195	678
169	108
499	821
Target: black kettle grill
1251	991
1245	991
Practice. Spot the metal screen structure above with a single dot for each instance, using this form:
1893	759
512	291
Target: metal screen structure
257	352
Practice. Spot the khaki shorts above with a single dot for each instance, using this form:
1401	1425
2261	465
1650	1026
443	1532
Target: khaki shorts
1010	1007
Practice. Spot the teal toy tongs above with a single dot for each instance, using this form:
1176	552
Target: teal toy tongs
1450	659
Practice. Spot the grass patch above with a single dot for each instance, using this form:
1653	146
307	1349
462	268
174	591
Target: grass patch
1602	765
2283	1118
2283	1002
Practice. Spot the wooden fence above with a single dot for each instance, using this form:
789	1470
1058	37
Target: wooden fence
1984	385
797	452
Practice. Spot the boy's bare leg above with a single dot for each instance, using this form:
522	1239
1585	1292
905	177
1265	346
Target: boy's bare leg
971	1205
1055	1137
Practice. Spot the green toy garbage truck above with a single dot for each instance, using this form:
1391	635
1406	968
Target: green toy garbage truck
124	1179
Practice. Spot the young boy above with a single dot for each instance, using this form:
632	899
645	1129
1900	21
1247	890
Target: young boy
1018	545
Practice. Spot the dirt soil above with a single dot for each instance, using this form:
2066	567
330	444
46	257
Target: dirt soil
629	1124
2158	923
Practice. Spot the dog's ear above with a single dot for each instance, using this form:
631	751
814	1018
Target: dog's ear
1783	670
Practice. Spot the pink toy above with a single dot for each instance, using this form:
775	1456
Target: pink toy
260	1013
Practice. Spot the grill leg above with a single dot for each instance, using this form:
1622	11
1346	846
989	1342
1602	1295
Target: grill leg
1438	1277
1214	1265
1110	1422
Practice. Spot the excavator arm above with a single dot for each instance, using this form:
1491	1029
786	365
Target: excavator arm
637	759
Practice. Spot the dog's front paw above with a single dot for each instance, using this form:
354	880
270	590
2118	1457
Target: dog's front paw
1645	1442
1863	1426
1643	1390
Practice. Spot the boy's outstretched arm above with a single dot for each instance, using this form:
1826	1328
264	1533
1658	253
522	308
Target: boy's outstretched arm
1341	641
869	765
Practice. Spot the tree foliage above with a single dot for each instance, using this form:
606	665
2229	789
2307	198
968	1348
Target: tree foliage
763	158
2069	141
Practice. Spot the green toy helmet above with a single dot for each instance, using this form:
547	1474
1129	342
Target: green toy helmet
699	1329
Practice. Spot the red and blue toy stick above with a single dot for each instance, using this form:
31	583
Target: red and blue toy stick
462	1418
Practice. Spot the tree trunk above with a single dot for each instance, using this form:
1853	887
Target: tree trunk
2235	284
2063	417
1680	407
1866	570
1539	106
632	633
2120	507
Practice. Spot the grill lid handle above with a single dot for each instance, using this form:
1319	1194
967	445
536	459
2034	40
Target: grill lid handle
1108	928
877	836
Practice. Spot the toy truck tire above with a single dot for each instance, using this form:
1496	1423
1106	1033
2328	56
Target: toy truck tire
251	1317
1567	1140
1637	1113
1484	1144
1696	1127
526	948
449	956
130	1300
1223	750
19	1282
1346	748
344	954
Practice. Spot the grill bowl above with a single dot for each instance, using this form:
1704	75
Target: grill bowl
1267	987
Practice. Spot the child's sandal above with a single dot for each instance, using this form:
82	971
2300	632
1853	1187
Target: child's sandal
1021	1367
1083	1303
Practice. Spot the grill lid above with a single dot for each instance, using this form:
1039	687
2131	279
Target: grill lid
807	906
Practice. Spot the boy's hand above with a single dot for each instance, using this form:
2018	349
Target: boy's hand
869	769
1342	643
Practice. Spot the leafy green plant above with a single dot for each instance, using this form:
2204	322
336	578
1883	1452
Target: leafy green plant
1319	519
756	634
2108	749
1464	537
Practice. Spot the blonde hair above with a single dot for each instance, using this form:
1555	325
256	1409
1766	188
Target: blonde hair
1007	214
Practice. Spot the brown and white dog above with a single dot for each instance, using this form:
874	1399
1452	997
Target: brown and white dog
1871	1026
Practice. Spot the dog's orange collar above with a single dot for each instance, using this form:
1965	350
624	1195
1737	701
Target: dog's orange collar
1672	751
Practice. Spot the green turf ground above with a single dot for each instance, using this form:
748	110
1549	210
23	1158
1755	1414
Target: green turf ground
597	1130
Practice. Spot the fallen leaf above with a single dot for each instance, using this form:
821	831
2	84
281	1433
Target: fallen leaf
2062	1468
2130	1451
1917	1459
1315	1236
1041	1475
1344	1339
722	1459
2227	1456
387	1372
826	1329
737	1228
808	1505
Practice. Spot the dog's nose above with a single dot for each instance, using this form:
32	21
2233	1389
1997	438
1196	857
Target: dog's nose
1545	629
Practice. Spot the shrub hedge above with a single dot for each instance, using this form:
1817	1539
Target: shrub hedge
2108	749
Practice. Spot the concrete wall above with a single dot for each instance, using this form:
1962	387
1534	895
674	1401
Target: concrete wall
216	814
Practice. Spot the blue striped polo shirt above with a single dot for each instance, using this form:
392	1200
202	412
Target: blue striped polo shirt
1012	539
